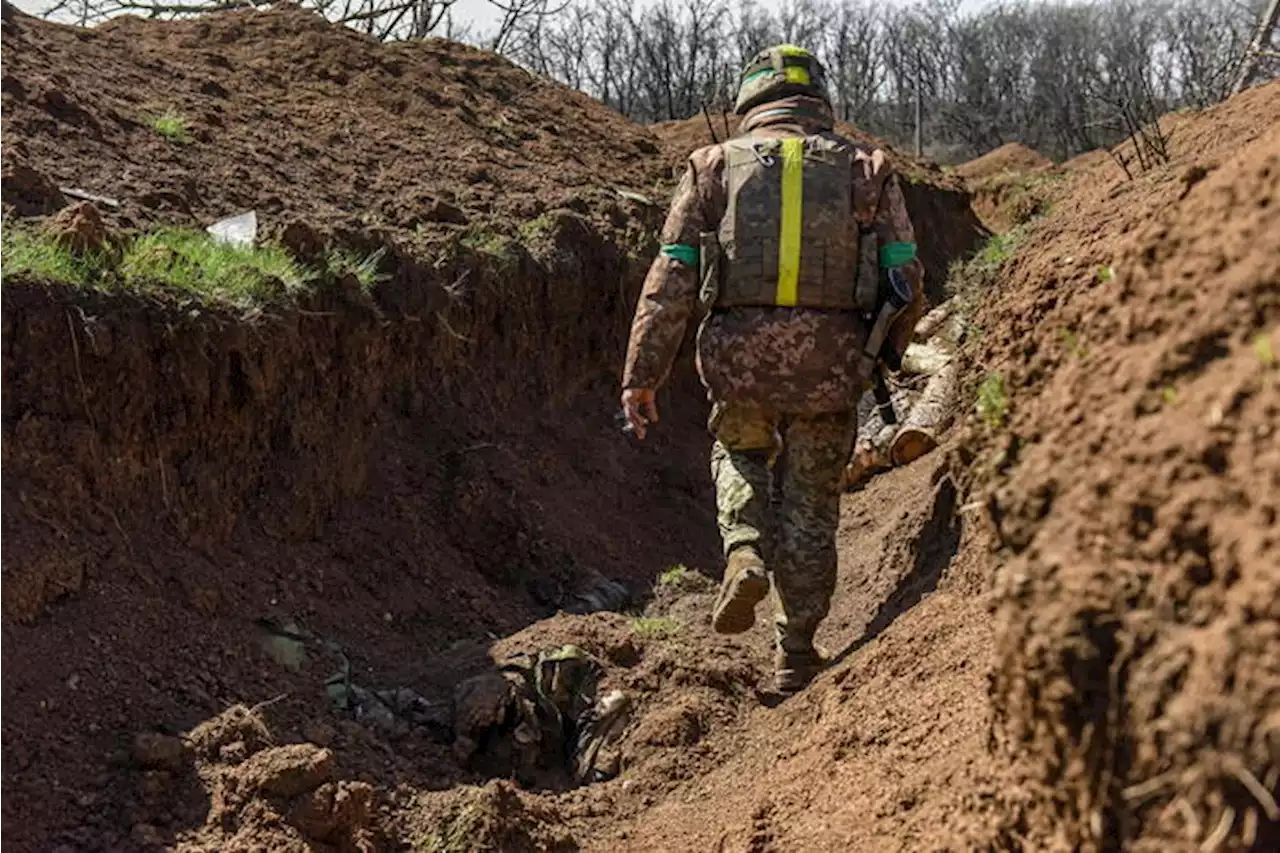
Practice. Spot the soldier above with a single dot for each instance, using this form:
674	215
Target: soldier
778	232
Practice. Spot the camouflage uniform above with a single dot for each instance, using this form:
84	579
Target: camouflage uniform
781	380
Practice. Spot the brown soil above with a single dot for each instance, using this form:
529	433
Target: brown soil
1137	680
306	123
939	204
436	463
425	476
1010	186
1010	157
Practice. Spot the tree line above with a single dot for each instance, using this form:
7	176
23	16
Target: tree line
1063	76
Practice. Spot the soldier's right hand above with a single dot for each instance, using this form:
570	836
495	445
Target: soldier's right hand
641	408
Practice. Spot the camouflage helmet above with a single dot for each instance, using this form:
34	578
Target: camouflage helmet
778	72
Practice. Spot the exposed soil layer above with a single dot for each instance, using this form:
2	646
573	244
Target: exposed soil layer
432	463
1137	682
939	204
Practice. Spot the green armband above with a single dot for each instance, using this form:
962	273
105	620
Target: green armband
682	252
897	254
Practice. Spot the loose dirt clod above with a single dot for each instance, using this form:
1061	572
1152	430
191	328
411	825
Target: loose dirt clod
286	771
79	229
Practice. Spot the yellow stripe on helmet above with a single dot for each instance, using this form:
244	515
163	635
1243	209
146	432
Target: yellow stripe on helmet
796	74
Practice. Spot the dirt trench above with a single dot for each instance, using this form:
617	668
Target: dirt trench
425	478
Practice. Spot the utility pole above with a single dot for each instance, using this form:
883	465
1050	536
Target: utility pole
1261	37
919	140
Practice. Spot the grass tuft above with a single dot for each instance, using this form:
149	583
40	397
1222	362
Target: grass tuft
673	576
993	401
1073	344
36	256
655	627
457	835
1262	349
343	262
970	277
197	263
172	125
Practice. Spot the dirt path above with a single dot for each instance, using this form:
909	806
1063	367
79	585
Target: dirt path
887	747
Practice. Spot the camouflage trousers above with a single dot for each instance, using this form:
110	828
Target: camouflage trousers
796	536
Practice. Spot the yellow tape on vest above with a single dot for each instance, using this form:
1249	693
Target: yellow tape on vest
792	206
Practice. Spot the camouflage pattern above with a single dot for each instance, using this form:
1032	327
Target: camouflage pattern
783	381
791	359
750	232
764	79
797	537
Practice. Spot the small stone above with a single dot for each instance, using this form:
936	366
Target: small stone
73	683
163	752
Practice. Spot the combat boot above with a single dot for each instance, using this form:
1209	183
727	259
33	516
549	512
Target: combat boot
745	585
794	670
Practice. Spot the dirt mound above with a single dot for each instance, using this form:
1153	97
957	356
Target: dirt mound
946	225
1010	186
281	112
1010	157
1135	338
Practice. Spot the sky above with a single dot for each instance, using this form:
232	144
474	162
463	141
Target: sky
480	15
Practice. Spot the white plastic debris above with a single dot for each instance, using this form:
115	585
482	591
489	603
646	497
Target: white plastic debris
239	230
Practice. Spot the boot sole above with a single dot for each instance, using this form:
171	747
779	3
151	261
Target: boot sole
738	613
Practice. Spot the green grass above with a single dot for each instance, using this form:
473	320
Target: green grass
343	262
970	277
182	261
195	262
538	229
488	242
673	576
36	257
1106	274
1262	349
655	627
993	401
172	125
999	249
